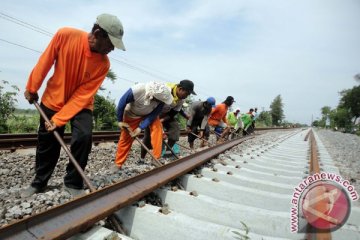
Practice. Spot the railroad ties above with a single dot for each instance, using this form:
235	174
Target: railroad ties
247	193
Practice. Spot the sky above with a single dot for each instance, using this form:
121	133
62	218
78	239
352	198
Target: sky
306	51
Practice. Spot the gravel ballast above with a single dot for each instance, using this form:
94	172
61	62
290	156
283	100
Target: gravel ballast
344	149
17	171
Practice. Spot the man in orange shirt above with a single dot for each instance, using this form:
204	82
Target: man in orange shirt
218	117
80	66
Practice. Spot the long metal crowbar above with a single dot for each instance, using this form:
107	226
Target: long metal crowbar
67	150
75	163
154	160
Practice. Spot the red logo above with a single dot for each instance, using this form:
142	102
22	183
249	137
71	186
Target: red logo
326	206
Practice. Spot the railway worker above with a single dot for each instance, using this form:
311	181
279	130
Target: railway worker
218	118
167	118
137	109
256	115
247	119
233	121
198	118
232	118
80	66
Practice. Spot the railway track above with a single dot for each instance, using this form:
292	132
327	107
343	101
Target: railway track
247	193
29	140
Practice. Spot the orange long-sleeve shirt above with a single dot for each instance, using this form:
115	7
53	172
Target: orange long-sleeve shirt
78	74
217	114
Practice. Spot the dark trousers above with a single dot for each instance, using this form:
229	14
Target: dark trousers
173	130
48	149
173	134
196	123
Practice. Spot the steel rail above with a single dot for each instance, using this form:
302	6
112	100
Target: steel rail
313	233
29	140
64	221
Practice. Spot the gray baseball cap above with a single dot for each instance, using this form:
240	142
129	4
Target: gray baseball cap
112	25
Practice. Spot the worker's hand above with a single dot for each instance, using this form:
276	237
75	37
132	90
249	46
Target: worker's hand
164	136
31	97
201	134
135	133
188	129
123	125
50	126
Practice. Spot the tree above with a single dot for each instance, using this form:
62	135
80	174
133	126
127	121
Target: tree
316	123
104	113
7	104
111	76
325	112
357	77
265	118
104	108
350	101
277	112
341	118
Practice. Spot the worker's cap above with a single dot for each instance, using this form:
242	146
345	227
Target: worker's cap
211	101
112	25
230	99
187	85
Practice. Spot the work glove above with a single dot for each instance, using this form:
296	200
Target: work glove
31	97
50	126
123	125
135	133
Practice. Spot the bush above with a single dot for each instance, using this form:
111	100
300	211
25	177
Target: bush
23	124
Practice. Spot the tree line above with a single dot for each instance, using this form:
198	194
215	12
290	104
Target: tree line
14	120
345	116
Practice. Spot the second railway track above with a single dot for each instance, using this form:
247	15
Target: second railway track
29	140
245	193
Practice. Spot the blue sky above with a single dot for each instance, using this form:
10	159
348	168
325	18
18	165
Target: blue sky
306	51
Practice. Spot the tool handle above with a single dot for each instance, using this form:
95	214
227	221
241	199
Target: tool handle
62	143
170	148
199	137
154	160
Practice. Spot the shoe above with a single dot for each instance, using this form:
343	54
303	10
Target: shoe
27	192
114	169
141	161
74	192
220	140
167	154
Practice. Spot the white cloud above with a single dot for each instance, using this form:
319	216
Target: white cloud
307	51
